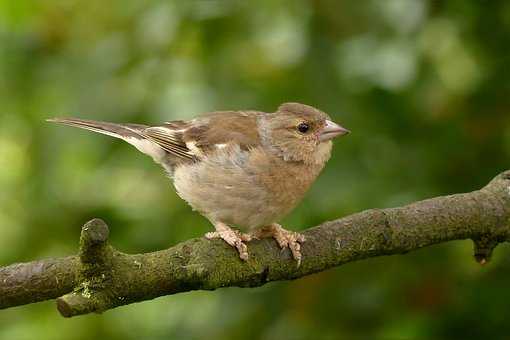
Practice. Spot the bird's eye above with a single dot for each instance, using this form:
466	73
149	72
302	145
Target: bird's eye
303	127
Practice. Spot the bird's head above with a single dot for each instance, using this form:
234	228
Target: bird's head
300	132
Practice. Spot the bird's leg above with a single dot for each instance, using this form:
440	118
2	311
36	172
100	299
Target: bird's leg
284	238
233	237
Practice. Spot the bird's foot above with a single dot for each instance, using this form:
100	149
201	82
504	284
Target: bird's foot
284	238
234	238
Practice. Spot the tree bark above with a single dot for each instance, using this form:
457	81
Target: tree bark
100	277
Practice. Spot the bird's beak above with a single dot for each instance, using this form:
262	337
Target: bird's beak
332	130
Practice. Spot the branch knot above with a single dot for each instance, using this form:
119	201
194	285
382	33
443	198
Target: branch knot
483	248
94	273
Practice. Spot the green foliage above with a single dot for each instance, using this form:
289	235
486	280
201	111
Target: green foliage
423	85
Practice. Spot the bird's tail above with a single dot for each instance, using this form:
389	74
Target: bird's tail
131	133
122	131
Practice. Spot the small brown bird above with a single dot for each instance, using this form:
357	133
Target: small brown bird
243	169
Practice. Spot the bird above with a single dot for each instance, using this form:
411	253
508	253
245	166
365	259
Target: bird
242	170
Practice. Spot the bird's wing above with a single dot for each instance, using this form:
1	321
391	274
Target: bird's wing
185	140
218	129
170	138
199	137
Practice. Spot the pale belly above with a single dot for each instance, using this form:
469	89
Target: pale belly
243	189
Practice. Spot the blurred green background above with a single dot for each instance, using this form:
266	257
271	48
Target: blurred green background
423	85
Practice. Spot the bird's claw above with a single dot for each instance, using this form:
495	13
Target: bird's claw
234	238
289	239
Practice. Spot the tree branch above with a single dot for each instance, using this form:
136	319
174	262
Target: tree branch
100	277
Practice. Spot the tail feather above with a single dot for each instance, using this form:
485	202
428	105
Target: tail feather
131	133
122	131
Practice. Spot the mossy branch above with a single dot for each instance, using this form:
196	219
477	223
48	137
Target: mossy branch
100	278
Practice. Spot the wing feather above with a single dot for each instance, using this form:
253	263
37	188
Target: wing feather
169	140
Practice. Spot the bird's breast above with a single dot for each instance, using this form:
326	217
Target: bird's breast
244	188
